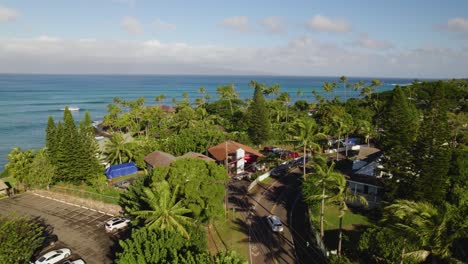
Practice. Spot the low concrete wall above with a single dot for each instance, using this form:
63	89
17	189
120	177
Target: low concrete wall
259	179
111	209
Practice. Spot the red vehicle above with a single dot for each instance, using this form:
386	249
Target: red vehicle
289	155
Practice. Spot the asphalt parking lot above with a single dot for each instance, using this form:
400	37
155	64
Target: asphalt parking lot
80	229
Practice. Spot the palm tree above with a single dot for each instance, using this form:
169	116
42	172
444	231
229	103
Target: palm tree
328	87
284	98
307	133
434	230
118	149
367	129
164	211
342	196
327	180
344	80
228	92
160	98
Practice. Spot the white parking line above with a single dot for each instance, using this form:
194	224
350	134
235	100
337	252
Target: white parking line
61	201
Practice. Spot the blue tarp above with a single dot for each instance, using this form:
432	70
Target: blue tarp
121	170
350	142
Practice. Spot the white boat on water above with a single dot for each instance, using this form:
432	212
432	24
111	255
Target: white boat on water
71	109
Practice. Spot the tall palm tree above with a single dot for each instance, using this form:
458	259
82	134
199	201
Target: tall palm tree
307	133
327	179
164	211
228	92
367	129
342	196
284	98
328	87
432	229
344	80
118	149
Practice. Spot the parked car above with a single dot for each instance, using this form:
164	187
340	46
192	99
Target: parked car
275	223
54	256
76	261
116	223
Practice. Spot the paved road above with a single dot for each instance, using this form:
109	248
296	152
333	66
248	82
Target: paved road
80	229
282	198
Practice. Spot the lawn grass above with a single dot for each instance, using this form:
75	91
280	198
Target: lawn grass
228	235
349	219
267	180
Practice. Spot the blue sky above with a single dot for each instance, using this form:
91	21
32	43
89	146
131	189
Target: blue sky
356	38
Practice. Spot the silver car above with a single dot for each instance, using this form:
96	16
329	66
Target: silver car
275	223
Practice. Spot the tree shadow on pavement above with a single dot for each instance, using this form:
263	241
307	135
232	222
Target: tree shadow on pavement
260	233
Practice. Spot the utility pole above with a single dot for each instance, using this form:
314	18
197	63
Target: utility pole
226	190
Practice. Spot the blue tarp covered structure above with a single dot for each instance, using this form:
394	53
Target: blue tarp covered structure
350	141
121	170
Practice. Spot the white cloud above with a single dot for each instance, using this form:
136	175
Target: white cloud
236	23
365	41
7	14
323	23
459	24
274	25
300	56
131	25
161	25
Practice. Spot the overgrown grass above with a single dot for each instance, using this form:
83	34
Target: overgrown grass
332	213
106	194
227	235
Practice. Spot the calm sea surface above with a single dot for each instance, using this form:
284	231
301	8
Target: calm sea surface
26	101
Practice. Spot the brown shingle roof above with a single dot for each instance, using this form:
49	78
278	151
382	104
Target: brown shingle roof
219	151
196	155
367	152
159	158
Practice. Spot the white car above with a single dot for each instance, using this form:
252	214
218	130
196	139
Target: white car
54	256
275	223
77	261
116	223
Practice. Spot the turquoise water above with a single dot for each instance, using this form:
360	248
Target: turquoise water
26	101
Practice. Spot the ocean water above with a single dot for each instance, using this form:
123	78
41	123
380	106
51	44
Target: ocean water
26	101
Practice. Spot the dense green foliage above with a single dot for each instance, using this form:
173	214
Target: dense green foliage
164	210
72	150
157	246
20	237
422	130
258	118
200	183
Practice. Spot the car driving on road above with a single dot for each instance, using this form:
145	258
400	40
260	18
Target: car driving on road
275	223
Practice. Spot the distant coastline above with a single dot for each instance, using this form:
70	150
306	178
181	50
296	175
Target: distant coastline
26	100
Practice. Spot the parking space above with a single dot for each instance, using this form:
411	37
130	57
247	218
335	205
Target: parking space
80	229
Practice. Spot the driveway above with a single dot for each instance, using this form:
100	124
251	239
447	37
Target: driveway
82	230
